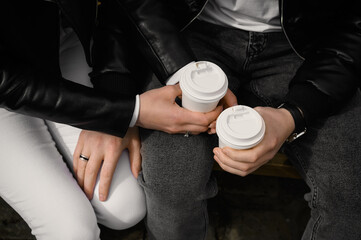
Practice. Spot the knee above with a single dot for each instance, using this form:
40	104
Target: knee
122	217
182	191
177	177
122	210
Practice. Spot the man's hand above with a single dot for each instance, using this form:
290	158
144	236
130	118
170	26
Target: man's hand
229	100
103	151
159	111
279	126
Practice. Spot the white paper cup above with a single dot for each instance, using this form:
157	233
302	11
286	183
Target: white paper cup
240	127
203	84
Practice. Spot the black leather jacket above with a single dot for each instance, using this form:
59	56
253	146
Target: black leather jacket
327	34
30	77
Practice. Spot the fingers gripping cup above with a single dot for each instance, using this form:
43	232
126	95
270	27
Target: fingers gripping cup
240	127
203	84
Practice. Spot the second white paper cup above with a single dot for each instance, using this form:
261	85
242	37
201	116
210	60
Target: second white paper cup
203	84
240	127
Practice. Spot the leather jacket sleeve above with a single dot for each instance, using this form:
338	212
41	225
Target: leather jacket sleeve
111	53
331	72
25	91
157	35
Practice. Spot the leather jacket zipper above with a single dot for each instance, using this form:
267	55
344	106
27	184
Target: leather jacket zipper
284	30
200	11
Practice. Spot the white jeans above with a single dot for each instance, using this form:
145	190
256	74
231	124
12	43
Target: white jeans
36	181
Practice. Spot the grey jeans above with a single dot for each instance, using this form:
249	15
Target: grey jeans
177	171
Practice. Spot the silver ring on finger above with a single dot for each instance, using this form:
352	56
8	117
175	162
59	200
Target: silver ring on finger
83	157
186	134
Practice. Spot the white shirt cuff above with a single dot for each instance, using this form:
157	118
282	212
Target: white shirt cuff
136	112
175	78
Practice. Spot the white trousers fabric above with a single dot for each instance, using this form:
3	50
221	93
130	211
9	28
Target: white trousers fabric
36	164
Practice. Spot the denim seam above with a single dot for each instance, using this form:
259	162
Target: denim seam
315	227
247	58
259	44
314	195
312	181
250	56
205	220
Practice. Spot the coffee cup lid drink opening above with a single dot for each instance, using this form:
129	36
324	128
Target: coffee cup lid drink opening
240	127
203	83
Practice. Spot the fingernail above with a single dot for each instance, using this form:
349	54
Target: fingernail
101	197
216	151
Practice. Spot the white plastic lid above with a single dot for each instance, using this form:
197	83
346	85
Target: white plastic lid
204	81
240	127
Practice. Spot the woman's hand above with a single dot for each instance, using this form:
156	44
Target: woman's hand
159	111
279	126
103	151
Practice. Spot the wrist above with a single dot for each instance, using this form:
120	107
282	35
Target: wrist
287	121
298	120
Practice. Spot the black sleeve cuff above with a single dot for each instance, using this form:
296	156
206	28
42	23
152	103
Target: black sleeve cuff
298	117
313	103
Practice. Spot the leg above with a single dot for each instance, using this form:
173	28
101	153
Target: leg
327	156
176	180
35	181
126	204
328	159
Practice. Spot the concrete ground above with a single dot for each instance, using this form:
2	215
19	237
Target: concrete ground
252	208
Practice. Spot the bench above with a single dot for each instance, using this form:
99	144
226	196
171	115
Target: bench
278	166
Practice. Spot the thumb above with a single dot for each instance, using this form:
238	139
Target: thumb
174	90
230	99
